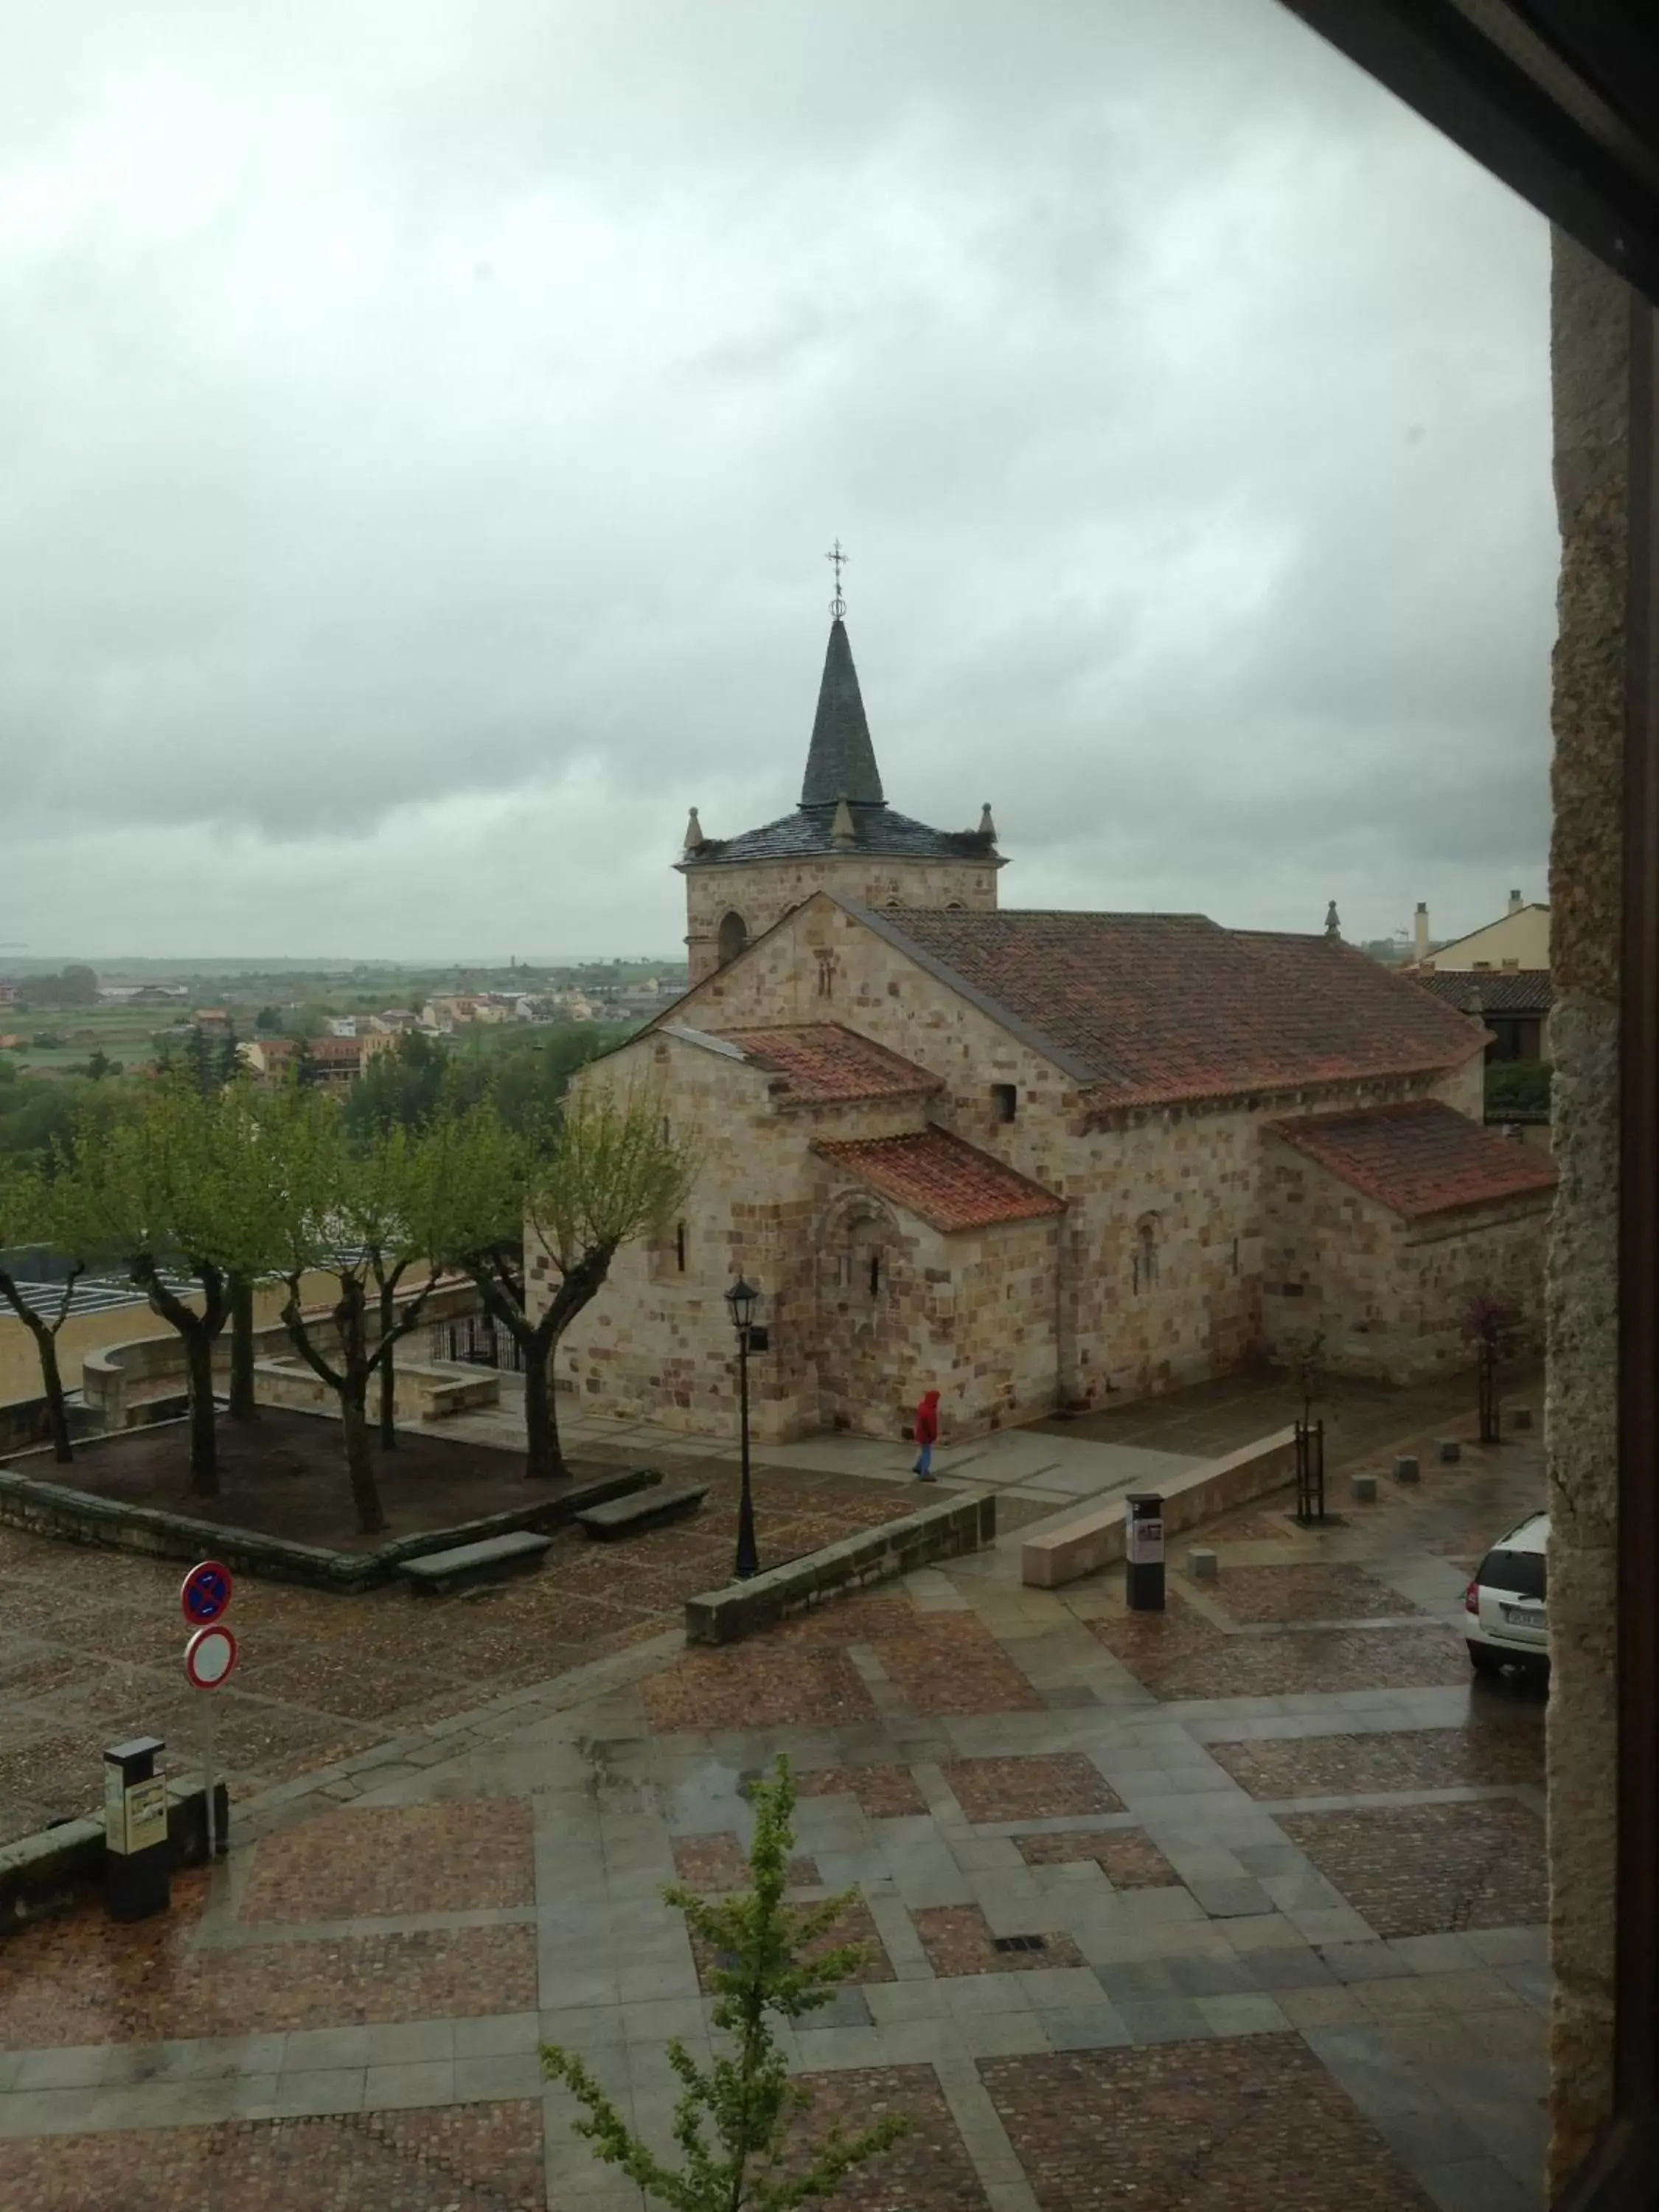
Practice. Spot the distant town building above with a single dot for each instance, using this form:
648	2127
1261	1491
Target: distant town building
1519	939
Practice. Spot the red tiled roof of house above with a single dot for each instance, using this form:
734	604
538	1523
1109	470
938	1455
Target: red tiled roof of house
1150	1008
1509	991
824	1063
948	1181
1420	1158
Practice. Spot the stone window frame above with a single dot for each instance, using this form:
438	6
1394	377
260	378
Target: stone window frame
729	944
1144	1256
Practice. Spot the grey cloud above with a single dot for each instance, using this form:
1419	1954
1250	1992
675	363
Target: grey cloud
440	405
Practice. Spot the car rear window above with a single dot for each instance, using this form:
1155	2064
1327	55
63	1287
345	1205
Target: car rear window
1520	1573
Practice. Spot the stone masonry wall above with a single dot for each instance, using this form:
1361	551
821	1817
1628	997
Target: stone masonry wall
657	1341
1590	360
1389	1296
763	891
1188	1178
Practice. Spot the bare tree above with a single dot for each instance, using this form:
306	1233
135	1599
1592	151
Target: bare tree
568	1197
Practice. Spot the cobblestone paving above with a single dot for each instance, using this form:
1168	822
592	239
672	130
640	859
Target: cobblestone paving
928	2171
1308	1592
958	1940
1362	1765
1252	2124
720	1864
1040	1788
1125	1856
855	1926
322	1675
883	1792
367	1861
1237	2004
465	2158
1418	1870
81	1979
1177	1656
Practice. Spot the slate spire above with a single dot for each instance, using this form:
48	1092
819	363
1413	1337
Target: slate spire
841	762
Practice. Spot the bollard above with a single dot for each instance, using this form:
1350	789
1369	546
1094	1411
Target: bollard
1365	1489
1404	1467
1201	1566
1143	1548
1450	1452
137	1851
1520	1417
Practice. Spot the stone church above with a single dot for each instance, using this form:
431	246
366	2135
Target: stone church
1036	1160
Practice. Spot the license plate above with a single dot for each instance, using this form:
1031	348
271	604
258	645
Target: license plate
1525	1616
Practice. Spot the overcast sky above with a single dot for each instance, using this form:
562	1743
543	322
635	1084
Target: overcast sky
424	421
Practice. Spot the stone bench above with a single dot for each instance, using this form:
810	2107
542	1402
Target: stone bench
644	1509
423	1393
440	1571
1071	1544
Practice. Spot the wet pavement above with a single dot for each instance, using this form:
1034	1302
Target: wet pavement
1275	1860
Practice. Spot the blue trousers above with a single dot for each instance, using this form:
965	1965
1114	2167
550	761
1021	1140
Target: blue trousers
925	1459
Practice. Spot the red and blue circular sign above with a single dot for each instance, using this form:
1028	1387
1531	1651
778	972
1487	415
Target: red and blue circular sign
206	1593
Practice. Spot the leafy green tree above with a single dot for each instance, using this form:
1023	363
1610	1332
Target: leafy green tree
99	1064
735	2119
228	1059
201	1062
575	1190
28	1215
402	1088
269	1021
175	1186
363	1214
1517	1087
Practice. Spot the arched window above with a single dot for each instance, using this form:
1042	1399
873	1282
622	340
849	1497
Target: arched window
954	906
733	936
1144	1261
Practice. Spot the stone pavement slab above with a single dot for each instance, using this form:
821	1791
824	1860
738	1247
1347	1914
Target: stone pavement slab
1113	1941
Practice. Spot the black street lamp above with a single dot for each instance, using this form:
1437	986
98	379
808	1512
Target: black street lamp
741	1300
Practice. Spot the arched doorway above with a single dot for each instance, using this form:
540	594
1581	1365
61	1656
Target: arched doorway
861	1260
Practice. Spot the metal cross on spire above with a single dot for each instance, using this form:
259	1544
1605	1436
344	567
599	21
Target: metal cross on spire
838	605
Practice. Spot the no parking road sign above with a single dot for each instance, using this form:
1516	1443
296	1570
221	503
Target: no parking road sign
206	1594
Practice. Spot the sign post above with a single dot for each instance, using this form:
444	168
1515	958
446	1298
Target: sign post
209	1658
1143	1548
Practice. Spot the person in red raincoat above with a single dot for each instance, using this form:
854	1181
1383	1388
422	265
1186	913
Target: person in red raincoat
926	1436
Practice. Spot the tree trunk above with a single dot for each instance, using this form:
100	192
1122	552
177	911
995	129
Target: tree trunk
388	1366
45	1346
57	1412
203	1440
543	1458
360	1457
242	1407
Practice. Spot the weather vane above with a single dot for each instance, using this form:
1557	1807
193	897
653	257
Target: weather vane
838	605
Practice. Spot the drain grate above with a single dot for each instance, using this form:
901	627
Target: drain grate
1019	1942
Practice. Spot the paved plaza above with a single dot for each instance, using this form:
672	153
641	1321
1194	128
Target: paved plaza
1276	1863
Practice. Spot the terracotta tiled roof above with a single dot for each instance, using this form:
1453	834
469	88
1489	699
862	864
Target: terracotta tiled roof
949	1182
825	1064
1420	1158
1147	1008
1508	991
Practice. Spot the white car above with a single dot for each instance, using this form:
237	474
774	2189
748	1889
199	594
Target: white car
1506	1620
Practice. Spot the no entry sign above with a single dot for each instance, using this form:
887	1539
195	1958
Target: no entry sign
209	1657
206	1593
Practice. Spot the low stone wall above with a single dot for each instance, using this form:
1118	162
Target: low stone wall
943	1531
1091	1541
42	1874
49	1508
118	1377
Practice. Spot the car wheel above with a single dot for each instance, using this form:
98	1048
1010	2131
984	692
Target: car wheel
1484	1660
